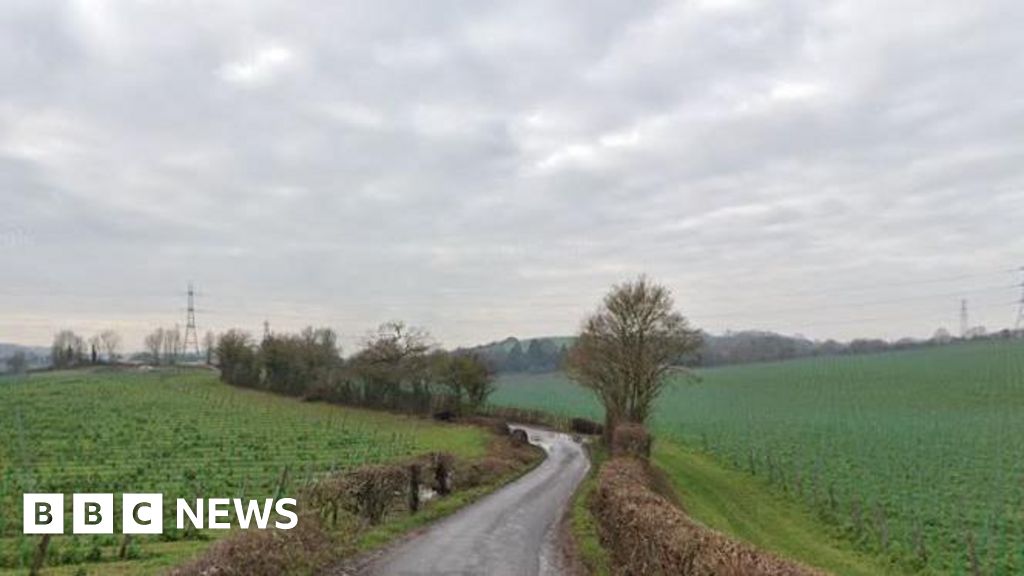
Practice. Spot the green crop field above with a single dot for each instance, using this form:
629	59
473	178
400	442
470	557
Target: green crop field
181	433
916	456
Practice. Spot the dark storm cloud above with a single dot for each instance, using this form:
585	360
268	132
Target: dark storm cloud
489	170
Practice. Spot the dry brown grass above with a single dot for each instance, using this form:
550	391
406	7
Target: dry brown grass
492	423
304	549
647	535
504	456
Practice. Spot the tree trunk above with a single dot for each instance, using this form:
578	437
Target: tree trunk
609	429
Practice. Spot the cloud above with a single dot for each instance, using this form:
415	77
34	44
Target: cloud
796	90
259	68
486	170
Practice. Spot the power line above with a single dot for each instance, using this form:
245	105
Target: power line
774	325
847	289
119	294
835	306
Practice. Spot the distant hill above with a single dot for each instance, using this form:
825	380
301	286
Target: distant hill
38	356
7	350
546	354
529	355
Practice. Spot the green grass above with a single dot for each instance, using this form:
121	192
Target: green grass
435	510
732	502
901	453
184	434
583	524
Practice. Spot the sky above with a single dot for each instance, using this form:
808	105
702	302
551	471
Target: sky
835	169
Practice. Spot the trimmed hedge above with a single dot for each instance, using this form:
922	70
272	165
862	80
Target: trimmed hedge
647	535
585	426
630	439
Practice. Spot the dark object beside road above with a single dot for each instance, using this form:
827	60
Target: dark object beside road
445	416
520	437
584	426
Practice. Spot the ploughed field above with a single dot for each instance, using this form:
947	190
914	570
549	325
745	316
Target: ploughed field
916	456
182	433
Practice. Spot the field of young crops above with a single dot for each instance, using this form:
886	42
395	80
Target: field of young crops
917	456
183	434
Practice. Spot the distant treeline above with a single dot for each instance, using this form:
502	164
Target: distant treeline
397	368
547	354
514	355
752	346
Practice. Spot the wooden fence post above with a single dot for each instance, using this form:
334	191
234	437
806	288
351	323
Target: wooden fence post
40	559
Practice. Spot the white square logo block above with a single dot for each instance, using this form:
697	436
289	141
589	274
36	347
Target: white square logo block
43	514
142	513
92	513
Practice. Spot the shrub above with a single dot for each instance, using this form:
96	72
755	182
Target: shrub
304	549
295	363
444	416
239	365
497	425
371	491
484	471
525	416
584	426
630	439
647	535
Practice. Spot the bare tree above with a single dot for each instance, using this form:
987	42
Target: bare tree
209	346
393	357
68	349
94	349
627	348
111	343
172	344
154	344
18	362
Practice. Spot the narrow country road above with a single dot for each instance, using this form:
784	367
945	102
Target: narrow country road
512	532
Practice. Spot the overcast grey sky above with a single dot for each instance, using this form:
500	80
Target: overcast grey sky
482	169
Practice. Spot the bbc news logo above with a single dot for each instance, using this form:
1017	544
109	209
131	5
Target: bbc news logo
144	513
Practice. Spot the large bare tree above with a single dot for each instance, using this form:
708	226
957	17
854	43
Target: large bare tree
111	342
172	345
394	357
627	348
209	346
154	344
68	349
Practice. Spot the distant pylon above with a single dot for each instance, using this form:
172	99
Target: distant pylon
964	323
266	329
191	334
1020	306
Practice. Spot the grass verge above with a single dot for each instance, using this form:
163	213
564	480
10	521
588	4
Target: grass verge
583	525
396	526
736	504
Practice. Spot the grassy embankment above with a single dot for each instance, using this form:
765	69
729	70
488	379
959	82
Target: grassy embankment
582	523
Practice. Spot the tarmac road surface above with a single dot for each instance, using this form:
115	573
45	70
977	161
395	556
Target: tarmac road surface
512	532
